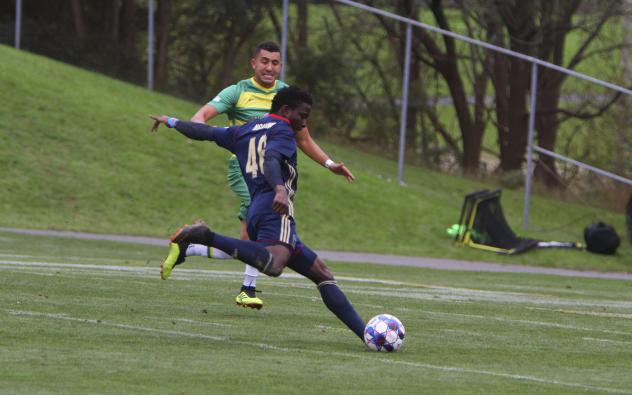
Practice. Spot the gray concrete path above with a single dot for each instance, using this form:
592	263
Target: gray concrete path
357	257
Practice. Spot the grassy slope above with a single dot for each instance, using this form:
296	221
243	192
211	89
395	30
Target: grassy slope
76	154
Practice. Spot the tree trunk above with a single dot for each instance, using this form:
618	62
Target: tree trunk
518	19
162	37
447	65
228	64
514	143
112	20
127	35
547	125
500	80
472	138
232	46
78	20
301	24
623	122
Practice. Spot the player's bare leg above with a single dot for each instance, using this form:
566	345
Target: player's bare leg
280	254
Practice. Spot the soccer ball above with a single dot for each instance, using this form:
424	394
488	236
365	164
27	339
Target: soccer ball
384	332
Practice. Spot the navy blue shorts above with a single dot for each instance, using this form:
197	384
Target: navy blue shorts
271	228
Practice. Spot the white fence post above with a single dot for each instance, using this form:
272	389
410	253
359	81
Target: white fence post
529	175
404	112
18	22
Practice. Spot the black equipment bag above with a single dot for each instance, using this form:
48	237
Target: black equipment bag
601	238
482	225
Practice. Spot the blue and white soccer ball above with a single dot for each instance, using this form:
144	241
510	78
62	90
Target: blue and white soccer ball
384	332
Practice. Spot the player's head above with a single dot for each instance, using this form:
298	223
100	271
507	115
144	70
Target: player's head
266	62
294	104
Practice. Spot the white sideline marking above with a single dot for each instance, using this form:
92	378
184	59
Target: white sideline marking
588	313
399	289
310	298
73	258
539	380
88	268
188	321
460	295
34	273
458	332
542	289
331	328
19	256
607	340
61	316
527	322
181	272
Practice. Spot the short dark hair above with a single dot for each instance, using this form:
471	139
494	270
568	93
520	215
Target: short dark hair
269	46
291	96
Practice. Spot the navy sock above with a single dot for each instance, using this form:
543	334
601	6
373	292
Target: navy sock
246	251
337	302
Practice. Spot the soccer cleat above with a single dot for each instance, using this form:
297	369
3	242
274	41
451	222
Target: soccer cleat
248	298
175	257
178	247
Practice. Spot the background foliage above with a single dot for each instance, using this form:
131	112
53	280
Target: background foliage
78	155
468	107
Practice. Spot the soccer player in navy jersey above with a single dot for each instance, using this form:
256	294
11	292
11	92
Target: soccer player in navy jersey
242	102
266	150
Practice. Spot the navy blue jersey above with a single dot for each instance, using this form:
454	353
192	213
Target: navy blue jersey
249	142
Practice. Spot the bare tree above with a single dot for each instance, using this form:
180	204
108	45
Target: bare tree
78	20
302	19
540	29
128	31
208	39
557	22
441	55
445	59
162	37
111	19
511	82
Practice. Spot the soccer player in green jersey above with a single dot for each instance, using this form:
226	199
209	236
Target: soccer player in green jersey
248	99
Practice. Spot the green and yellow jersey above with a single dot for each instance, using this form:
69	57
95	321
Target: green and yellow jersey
245	100
242	102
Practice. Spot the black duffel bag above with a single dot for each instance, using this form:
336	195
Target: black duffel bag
601	238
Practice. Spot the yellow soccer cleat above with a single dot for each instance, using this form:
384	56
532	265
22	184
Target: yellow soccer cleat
247	298
175	257
180	242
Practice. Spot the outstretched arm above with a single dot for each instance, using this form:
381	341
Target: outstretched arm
310	148
193	130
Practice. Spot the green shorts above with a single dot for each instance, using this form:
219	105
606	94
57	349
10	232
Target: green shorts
238	185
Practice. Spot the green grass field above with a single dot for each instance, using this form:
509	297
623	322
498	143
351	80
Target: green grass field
83	317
